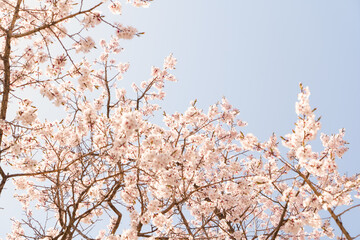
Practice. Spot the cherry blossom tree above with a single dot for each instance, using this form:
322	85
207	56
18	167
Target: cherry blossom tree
104	170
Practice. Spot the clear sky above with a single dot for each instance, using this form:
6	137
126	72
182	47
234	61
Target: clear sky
255	53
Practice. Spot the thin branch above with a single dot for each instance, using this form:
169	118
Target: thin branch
35	30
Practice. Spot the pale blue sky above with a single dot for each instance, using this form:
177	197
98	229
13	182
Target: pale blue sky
255	53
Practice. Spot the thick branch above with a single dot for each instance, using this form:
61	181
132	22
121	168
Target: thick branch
6	81
333	215
4	178
118	220
281	222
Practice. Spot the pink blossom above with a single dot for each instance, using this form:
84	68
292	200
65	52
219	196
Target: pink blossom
170	62
115	7
92	19
27	112
125	32
84	45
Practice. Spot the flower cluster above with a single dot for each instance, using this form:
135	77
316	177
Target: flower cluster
125	32
115	7
27	112
197	175
84	45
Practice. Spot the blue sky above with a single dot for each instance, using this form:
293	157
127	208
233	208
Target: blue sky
255	53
